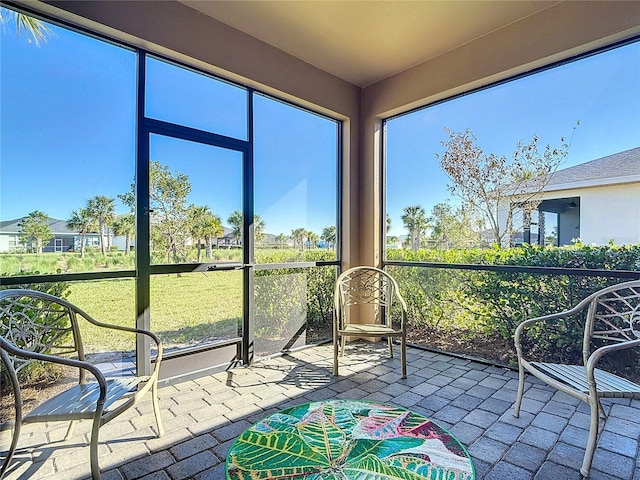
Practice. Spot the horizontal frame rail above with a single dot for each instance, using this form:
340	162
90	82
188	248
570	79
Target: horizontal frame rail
584	272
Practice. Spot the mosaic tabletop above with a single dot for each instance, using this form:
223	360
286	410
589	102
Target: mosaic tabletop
348	439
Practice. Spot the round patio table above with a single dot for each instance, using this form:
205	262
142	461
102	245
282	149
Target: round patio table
347	439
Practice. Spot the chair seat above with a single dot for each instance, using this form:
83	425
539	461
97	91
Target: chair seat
575	376
80	400
370	329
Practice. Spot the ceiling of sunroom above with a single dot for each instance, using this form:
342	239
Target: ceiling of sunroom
363	42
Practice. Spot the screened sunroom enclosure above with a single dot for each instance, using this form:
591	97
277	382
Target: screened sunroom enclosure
253	176
216	232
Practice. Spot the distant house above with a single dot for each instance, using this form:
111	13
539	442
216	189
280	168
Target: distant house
596	201
64	240
228	239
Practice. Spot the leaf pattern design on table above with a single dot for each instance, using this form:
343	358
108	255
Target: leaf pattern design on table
347	440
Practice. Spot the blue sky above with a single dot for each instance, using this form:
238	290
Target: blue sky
67	131
601	92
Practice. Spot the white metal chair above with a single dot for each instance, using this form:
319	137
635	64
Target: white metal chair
374	291
612	323
38	327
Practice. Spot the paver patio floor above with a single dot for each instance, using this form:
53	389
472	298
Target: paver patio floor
473	400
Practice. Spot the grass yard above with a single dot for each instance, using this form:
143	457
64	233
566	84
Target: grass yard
185	310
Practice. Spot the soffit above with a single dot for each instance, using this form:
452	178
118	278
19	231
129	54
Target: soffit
363	42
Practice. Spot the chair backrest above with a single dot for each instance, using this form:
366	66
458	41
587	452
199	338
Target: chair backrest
365	286
37	322
613	315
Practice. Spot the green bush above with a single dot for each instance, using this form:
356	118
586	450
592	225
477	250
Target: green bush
278	293
496	302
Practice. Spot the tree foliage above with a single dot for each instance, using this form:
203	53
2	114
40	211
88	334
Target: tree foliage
168	200
298	235
235	221
35	230
125	225
103	210
204	225
329	235
486	182
34	30
82	222
453	227
416	222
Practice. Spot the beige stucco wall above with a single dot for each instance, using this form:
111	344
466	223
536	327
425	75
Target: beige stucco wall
610	213
606	213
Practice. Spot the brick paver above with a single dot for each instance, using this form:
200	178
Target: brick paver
472	400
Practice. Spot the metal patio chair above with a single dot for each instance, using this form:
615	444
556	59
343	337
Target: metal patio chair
612	324
38	327
373	291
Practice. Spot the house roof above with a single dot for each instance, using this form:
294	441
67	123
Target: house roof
56	226
617	168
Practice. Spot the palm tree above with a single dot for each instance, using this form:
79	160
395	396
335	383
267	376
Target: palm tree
204	225
258	229
125	225
235	220
211	228
415	221
298	237
281	239
102	209
329	236
35	30
312	238
82	222
197	217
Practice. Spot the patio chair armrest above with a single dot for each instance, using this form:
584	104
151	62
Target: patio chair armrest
553	316
141	331
123	328
70	362
597	354
544	318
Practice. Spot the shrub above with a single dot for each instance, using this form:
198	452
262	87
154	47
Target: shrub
278	301
496	302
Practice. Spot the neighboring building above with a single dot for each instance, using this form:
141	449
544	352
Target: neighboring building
596	201
64	240
227	240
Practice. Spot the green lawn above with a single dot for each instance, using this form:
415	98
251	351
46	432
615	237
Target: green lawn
186	309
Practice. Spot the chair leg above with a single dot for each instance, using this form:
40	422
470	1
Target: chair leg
343	341
335	354
93	446
603	414
390	342
516	408
12	448
593	437
156	408
403	356
70	430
